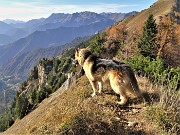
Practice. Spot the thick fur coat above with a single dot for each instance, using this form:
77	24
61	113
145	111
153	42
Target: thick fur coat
98	71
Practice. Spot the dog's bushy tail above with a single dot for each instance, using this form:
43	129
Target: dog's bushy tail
132	79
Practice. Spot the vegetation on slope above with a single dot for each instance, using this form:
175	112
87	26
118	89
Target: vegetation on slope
36	88
44	79
88	118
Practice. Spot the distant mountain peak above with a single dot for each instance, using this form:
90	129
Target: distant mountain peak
12	21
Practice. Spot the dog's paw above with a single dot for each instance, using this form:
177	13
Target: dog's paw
121	102
99	93
94	94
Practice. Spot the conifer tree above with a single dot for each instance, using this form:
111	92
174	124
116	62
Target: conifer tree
147	44
22	106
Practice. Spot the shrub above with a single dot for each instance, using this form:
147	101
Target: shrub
156	70
165	118
96	44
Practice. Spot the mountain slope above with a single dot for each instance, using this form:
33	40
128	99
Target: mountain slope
4	27
73	110
158	9
167	18
12	35
4	39
23	63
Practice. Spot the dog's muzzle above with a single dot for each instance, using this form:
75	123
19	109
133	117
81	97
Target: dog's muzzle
75	62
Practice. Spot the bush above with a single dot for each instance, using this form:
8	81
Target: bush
156	70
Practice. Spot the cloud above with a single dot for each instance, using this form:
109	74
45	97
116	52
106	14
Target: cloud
32	10
99	8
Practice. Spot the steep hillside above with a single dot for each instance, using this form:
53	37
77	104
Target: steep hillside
158	9
145	44
129	31
18	69
74	111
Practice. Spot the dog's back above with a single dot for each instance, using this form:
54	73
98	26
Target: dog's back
123	71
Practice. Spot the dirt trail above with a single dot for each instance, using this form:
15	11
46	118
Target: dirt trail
134	113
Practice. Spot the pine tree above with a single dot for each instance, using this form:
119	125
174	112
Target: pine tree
147	44
22	106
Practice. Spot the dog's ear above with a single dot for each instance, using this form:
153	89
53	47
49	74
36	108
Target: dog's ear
88	48
76	52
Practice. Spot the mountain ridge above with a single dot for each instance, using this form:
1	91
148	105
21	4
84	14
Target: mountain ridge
19	47
17	66
42	39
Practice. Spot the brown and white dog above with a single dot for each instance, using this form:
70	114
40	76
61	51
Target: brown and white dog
98	71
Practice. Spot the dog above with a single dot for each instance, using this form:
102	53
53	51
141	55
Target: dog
98	71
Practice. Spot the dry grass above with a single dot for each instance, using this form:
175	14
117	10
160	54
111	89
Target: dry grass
75	112
165	114
160	8
134	25
67	112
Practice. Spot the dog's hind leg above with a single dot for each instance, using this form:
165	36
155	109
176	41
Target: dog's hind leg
116	86
123	97
94	87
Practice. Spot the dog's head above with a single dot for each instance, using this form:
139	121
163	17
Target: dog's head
81	55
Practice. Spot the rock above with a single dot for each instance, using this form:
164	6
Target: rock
132	124
117	118
135	111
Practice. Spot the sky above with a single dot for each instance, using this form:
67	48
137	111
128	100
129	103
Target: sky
33	9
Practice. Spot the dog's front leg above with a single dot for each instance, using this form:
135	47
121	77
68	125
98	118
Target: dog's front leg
100	87
94	87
